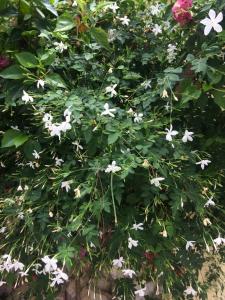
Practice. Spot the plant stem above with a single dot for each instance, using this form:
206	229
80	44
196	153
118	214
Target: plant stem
113	200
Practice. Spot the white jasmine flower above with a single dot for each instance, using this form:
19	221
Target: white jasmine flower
132	243
60	47
147	84
164	233
187	136
130	112
18	265
92	245
60	277
77	192
138	226
66	185
203	163
156	181
190	291
157	29
141	292
218	241
50	264
165	94
190	244
40	83
20	215
55	130
78	146
128	273
65	126
212	22
50	214
155	9
19	189
3	230
125	20
210	202
26	187
118	263
113	7
207	222
24	274
58	162
27	98
47	119
108	111
111	89
74	3
36	154
138	117
2	282
170	133
113	168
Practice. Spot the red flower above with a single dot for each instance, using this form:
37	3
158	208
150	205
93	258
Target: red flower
4	62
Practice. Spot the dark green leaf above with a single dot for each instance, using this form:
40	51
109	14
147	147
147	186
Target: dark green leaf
101	37
27	59
12	72
64	23
13	138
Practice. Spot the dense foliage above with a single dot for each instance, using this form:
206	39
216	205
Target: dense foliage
112	143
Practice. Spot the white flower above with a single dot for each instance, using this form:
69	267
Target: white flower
203	163
171	50
111	89
118	263
125	20
138	117
27	98
77	192
66	185
59	278
190	291
36	154
138	226
147	84
207	222
132	243
2	282
20	215
157	29
113	168
108	111
130	111
24	274
170	133
78	146
128	273
60	47
50	264
3	230
58	162
219	241
164	233
156	181
47	119
187	136
141	292
40	83
55	130
19	189
74	3
210	202
165	94
212	22
155	9
17	265
2	164
113	7
189	244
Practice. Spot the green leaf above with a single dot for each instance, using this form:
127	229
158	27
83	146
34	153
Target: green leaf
12	72
25	7
190	93
50	7
219	98
112	138
64	23
132	76
101	37
13	138
55	80
199	65
27	59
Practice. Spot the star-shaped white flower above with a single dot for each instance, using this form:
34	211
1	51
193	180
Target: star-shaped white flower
156	181
170	133
155	9
190	244
60	47
125	20
36	154
50	264
113	7
40	83
118	263
27	98
219	241
111	89
58	162
132	243
108	111
190	291
210	202
138	226
113	168
138	117
187	136
66	185
157	29
141	292
128	273
212	22
203	163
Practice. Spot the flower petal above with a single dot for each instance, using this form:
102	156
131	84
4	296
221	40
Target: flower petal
207	30
212	14
217	27
219	18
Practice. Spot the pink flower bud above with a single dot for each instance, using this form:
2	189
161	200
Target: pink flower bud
180	13
4	62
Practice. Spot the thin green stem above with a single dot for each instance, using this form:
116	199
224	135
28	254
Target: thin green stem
113	200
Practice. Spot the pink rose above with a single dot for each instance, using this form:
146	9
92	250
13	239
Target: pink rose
181	13
4	62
